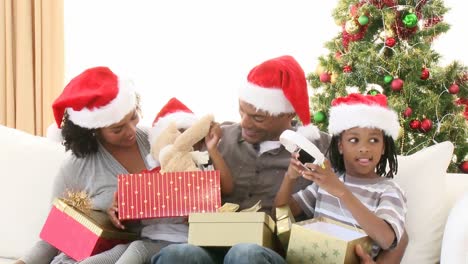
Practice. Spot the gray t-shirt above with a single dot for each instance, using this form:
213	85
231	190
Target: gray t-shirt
257	176
97	175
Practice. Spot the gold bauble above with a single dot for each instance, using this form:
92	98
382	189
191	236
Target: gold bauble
333	78
319	69
352	27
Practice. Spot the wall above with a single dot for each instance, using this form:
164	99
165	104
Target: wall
201	51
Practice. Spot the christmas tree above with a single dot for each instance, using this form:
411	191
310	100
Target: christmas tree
385	47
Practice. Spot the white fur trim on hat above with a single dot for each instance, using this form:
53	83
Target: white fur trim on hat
112	113
310	131
183	120
271	100
54	133
343	117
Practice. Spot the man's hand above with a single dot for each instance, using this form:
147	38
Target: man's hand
19	262
363	256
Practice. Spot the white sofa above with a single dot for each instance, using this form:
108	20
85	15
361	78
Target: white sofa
29	163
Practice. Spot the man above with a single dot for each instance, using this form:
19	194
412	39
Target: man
276	92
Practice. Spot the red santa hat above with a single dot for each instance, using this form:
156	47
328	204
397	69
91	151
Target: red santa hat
357	110
94	99
173	111
279	86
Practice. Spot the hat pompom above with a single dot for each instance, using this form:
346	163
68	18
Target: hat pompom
311	132
54	133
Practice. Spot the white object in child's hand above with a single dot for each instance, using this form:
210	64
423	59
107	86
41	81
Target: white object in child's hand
334	230
294	141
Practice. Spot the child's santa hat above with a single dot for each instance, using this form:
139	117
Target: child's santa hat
96	98
173	111
279	86
357	110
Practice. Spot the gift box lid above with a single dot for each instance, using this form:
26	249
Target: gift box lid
96	221
233	217
330	221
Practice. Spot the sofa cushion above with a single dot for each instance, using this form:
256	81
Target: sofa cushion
422	176
455	240
29	164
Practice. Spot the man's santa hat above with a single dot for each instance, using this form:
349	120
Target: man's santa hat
173	111
357	110
94	99
279	86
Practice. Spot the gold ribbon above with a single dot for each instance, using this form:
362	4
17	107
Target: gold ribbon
232	207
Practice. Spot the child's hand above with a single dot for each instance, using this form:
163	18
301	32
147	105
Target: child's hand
295	167
324	177
212	139
112	213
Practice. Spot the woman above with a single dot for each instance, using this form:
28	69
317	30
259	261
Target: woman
98	116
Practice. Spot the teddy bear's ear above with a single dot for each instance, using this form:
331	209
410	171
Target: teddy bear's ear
193	134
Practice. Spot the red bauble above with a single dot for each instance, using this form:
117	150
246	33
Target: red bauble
426	125
325	77
397	84
390	42
415	124
354	10
425	74
408	111
347	69
464	166
338	55
454	88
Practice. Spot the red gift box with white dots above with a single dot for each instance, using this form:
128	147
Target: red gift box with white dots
169	194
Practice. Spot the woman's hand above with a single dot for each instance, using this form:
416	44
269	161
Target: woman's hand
325	177
113	211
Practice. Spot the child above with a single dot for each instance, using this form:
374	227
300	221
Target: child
158	233
361	193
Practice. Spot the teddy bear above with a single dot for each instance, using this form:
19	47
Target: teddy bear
174	149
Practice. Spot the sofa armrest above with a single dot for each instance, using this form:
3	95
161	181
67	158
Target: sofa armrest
29	164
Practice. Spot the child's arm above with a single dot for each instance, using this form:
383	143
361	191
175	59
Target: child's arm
374	226
211	141
283	196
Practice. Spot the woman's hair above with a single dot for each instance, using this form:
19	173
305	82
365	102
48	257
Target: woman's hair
389	156
83	141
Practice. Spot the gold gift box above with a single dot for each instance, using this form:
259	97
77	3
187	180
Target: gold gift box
307	245
229	228
284	221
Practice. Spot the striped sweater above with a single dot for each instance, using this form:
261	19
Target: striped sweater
381	195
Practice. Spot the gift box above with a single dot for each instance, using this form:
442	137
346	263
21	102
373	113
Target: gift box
169	194
229	228
325	241
284	221
80	234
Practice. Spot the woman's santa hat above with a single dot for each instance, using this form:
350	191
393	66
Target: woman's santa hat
357	110
94	99
279	86
173	111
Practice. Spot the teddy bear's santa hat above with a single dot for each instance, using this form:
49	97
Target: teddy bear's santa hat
173	111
